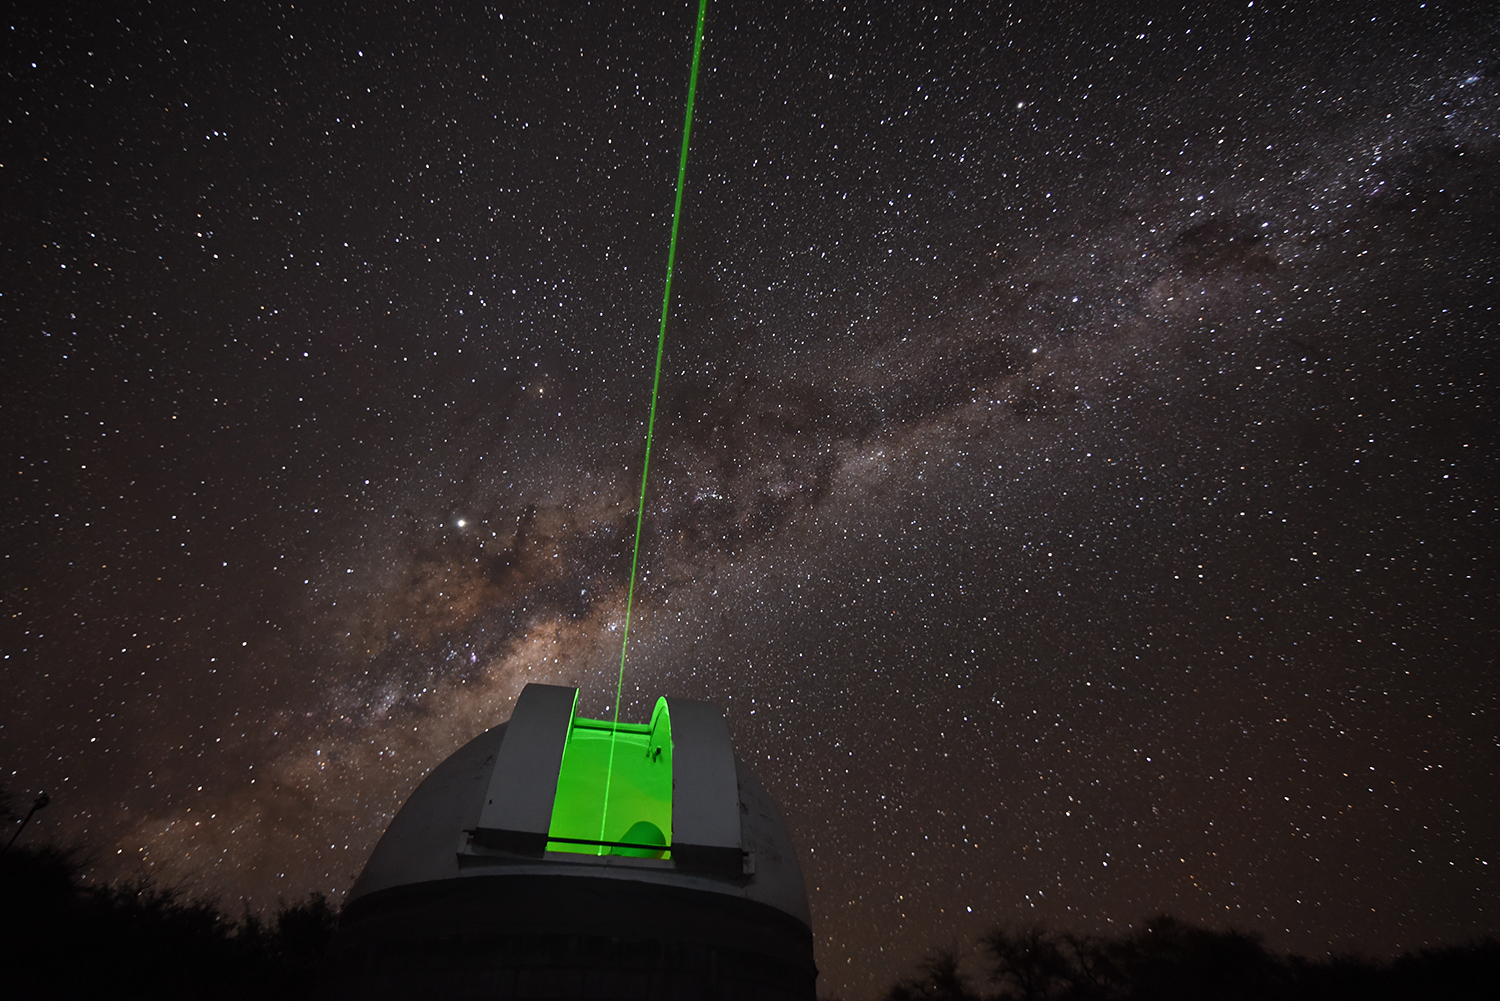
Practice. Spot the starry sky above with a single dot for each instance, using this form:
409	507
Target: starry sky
1075	472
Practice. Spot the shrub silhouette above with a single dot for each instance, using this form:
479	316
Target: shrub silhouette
937	979
1028	962
62	938
1168	959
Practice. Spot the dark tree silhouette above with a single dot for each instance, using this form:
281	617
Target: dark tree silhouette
1028	962
303	932
1171	960
937	979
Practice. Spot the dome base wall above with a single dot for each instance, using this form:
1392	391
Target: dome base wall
567	937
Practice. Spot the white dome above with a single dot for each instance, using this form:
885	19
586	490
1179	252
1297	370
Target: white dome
501	847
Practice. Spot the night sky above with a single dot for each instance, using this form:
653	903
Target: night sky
1075	474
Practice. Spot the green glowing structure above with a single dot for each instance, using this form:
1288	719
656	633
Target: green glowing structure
638	775
666	790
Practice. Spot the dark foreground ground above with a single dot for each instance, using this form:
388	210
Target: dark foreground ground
62	937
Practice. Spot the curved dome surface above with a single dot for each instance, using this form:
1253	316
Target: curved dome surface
555	856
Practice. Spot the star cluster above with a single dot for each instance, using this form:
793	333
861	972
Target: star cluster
1074	472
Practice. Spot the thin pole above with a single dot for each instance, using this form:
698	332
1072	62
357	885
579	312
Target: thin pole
40	803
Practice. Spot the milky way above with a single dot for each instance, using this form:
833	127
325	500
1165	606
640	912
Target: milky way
1075	472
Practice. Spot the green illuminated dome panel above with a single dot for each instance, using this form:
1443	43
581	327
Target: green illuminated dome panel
615	785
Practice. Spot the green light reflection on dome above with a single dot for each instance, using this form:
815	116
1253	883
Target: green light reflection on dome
640	793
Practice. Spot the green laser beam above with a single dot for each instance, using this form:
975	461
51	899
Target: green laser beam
661	343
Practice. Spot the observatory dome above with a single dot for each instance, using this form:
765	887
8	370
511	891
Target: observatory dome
561	857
